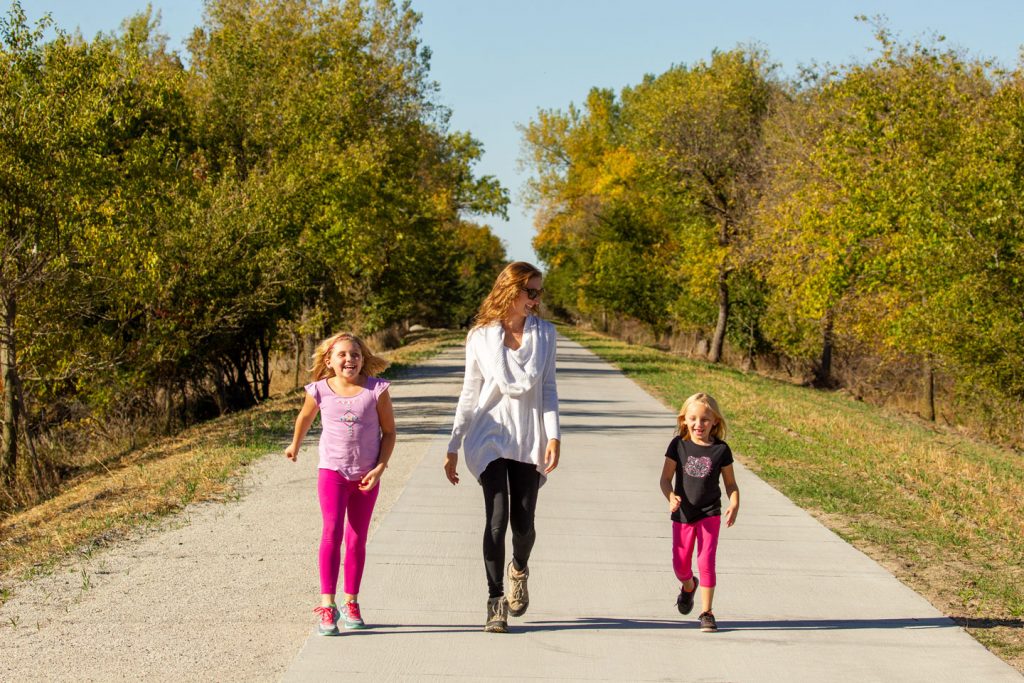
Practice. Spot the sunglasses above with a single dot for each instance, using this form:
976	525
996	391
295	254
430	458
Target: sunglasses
532	293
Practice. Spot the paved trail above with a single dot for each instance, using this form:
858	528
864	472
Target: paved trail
228	594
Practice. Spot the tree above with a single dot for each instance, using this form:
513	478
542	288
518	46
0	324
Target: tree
701	128
873	175
476	258
605	243
334	101
160	226
86	136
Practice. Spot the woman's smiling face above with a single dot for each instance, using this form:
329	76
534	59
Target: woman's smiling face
523	305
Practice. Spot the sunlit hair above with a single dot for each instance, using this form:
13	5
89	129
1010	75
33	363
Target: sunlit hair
506	288
718	431
372	365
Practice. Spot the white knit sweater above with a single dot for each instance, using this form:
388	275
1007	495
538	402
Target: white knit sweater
509	402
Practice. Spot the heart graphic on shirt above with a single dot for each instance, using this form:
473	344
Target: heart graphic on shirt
350	420
698	467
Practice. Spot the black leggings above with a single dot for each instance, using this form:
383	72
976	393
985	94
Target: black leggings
510	492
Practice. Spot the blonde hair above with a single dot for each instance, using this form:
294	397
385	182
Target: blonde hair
718	431
371	364
507	286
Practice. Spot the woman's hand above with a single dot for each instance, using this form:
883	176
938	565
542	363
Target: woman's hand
292	452
674	502
450	461
371	478
551	455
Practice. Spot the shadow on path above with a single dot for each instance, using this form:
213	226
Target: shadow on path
609	623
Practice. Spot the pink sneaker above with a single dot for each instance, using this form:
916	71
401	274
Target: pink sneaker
328	620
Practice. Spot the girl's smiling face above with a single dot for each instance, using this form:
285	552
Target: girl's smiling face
700	420
346	360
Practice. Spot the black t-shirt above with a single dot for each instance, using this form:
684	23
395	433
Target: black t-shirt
697	471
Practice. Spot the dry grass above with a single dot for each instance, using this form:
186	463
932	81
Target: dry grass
139	488
142	487
939	509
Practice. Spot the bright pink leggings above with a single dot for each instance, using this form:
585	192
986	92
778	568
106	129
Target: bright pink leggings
339	496
705	534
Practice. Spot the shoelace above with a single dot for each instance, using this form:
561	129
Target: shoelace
326	614
352	611
499	611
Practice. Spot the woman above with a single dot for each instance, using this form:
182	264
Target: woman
507	424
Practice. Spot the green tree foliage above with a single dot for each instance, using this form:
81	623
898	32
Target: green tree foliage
645	202
323	111
607	249
699	129
871	211
162	225
889	210
972	319
89	147
478	255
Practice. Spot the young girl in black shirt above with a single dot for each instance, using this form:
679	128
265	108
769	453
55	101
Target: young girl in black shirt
696	458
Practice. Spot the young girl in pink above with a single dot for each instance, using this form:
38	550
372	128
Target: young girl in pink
356	442
696	458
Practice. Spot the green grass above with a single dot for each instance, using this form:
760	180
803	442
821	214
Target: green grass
938	508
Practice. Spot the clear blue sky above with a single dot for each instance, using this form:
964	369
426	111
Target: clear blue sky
499	61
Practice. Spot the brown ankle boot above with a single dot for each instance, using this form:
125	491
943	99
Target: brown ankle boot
497	615
518	594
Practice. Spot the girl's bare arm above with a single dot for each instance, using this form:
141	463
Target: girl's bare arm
733	491
302	423
667	472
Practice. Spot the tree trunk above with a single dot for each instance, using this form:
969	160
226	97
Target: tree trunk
168	410
254	368
33	458
309	341
718	339
297	341
265	357
823	373
9	377
240	391
929	392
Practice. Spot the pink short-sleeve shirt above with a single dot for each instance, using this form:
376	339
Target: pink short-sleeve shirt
350	440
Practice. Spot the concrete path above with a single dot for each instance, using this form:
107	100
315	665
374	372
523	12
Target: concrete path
794	602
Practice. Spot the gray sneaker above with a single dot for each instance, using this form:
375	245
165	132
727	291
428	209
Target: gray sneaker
497	615
350	616
708	623
518	594
328	625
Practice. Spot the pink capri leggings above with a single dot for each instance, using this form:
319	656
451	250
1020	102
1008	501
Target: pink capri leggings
705	534
339	496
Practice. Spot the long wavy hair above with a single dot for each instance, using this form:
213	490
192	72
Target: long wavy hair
506	288
372	365
718	431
